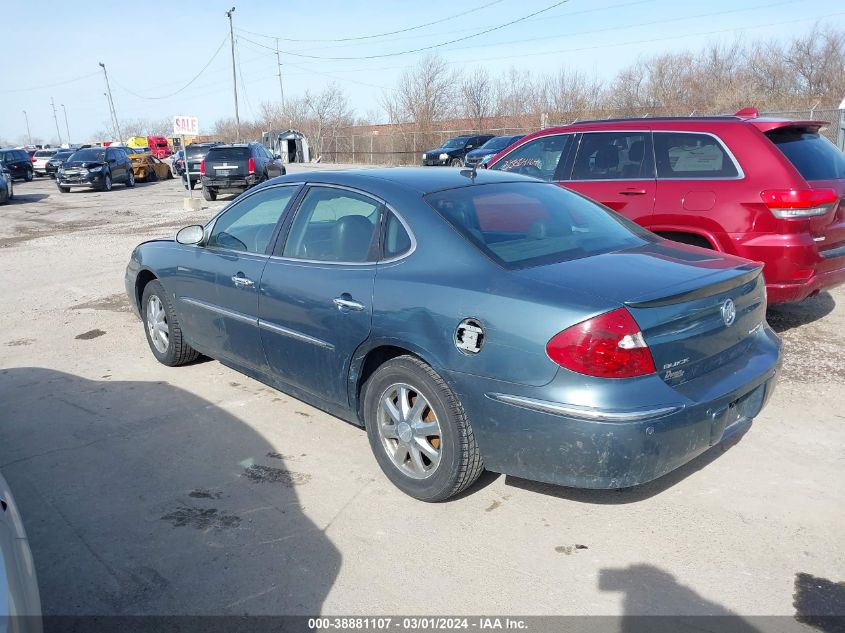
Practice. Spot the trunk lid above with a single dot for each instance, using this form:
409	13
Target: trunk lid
697	309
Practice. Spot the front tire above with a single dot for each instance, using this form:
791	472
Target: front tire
161	326
418	431
456	162
64	189
107	184
130	180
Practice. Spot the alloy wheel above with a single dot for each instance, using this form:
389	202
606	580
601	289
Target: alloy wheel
409	431
157	324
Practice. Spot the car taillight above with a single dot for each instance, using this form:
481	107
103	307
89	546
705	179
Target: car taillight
251	165
610	345
202	168
799	203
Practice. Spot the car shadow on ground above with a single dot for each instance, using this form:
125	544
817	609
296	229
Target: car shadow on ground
23	198
141	498
785	316
621	496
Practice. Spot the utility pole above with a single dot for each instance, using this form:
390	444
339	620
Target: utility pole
67	127
28	133
279	64
234	75
111	104
56	119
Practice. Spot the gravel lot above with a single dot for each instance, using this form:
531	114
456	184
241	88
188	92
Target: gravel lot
150	490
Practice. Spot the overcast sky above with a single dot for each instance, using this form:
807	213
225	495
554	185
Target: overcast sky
153	49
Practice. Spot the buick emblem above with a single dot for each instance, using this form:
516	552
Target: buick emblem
728	312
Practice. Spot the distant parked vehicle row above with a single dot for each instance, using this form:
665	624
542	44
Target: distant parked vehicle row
769	190
454	151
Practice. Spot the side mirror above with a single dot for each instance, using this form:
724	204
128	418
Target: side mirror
190	234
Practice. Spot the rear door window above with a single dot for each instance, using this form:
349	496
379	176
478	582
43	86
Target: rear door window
543	157
691	155
614	156
815	157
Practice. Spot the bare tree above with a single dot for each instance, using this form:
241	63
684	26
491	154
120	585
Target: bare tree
327	111
478	97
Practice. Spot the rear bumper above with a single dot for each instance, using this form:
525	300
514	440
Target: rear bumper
794	266
229	183
592	447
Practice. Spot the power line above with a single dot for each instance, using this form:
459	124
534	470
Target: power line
423	48
369	37
59	83
185	87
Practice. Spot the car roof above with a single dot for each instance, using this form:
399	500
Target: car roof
227	145
423	180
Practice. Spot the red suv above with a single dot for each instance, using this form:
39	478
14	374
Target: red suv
770	190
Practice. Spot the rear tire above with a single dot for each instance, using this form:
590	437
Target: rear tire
161	326
425	447
152	176
209	194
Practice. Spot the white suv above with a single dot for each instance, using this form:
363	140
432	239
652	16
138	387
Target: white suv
40	159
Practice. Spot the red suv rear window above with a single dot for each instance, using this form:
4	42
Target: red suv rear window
815	157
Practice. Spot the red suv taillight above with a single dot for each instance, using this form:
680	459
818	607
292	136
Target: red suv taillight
610	345
202	167
251	165
799	203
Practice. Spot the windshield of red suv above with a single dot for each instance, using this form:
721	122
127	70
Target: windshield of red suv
815	157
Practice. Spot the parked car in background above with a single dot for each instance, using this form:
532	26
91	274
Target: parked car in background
17	161
177	163
605	358
40	159
96	167
20	602
770	190
56	161
148	168
453	151
7	187
237	168
195	152
489	149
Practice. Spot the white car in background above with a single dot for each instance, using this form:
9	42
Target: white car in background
40	159
20	602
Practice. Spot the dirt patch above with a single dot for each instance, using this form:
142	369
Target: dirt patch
267	474
201	518
569	549
117	302
87	336
20	342
201	493
28	233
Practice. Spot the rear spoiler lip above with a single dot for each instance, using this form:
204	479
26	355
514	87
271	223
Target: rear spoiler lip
767	126
751	272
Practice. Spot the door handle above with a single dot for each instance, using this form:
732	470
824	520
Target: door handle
633	192
242	282
349	304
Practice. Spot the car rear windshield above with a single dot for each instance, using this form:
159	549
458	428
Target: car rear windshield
498	142
815	157
228	153
453	143
91	154
525	224
197	150
43	153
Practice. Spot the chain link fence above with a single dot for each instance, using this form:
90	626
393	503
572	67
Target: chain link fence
403	146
